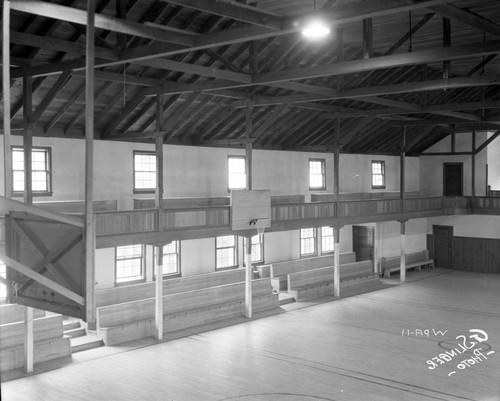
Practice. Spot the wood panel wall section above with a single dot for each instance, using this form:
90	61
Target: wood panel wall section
479	255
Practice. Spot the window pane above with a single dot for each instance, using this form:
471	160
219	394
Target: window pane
307	241
317	179
225	251
170	259
327	240
129	263
144	171
40	166
237	178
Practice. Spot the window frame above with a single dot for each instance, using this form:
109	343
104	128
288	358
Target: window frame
3	287
134	170
315	239
382	174
260	243
48	170
229	158
323	174
322	237
235	253
135	279
178	253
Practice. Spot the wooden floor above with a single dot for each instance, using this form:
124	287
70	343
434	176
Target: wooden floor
365	347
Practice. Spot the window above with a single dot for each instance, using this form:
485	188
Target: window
257	248
40	176
3	288
144	172
225	252
170	258
378	174
327	240
307	241
237	176
317	176
129	263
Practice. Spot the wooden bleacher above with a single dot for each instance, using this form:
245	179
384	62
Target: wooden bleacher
415	260
278	271
316	283
195	302
49	340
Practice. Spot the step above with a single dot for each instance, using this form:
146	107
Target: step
85	343
285	299
71	324
76	332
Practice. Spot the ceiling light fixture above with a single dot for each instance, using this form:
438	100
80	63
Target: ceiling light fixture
315	28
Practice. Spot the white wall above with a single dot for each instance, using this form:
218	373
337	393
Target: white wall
493	152
431	167
388	234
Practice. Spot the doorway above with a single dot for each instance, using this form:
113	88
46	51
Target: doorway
443	241
363	242
453	179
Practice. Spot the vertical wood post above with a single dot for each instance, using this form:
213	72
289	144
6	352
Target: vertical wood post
446	43
89	169
336	161
473	167
402	177
29	345
248	278
159	294
403	252
367	38
248	144
340	56
158	201
6	98
336	262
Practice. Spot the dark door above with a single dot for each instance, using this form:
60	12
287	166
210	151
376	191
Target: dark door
453	179
443	237
363	242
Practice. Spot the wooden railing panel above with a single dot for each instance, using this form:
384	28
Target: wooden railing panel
130	221
210	217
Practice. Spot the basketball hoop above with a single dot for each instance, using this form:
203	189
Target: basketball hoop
260	224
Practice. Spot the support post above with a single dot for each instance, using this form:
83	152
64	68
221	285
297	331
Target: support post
159	294
29	345
89	170
367	38
248	278
248	144
336	161
402	177
336	262
403	252
6	99
158	201
446	43
473	162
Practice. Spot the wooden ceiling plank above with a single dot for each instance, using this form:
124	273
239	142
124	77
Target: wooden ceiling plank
70	14
49	97
467	17
67	104
236	11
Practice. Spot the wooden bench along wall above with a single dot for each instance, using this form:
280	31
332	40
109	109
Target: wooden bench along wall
278	271
413	260
49	340
116	295
128	321
319	282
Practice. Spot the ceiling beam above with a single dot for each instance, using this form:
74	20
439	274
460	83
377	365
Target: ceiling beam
237	11
77	16
467	17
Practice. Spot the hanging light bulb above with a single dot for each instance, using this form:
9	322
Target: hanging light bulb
315	29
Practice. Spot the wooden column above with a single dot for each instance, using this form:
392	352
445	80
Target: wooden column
402	160
336	161
29	345
403	251
248	278
89	169
248	144
158	202
336	261
446	43
159	294
6	99
473	156
367	38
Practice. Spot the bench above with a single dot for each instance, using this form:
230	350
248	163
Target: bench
278	271
319	282
128	321
415	260
134	292
49	340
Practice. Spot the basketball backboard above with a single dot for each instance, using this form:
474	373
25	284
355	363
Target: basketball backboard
250	209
